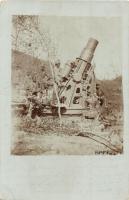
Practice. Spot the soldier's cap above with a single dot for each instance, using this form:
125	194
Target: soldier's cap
57	62
34	93
42	67
39	91
73	63
97	85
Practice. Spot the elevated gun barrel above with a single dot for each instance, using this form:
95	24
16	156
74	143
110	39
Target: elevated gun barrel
88	52
85	59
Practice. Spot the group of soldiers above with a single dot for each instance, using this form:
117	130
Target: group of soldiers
95	103
38	100
40	96
42	92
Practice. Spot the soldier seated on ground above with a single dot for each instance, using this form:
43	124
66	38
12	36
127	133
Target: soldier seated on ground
25	97
36	107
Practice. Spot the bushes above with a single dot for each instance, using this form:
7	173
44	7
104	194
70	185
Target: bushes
29	72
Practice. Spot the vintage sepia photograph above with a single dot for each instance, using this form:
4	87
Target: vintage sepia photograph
66	85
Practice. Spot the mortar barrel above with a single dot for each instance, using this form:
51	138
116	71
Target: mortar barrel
88	52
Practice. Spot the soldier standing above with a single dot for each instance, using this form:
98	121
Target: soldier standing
100	95
57	72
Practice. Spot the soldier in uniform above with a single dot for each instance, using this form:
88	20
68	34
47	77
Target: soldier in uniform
100	95
36	107
42	78
57	72
50	94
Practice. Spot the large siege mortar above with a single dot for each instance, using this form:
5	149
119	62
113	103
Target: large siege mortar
78	86
80	83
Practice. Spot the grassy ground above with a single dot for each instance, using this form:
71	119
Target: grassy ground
72	137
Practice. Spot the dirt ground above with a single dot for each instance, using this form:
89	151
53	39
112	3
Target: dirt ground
72	137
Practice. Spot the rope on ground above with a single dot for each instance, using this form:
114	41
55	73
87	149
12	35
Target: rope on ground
105	142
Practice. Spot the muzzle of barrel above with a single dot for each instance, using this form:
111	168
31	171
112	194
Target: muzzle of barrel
88	52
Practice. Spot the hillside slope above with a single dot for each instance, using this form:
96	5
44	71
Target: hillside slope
28	73
28	63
